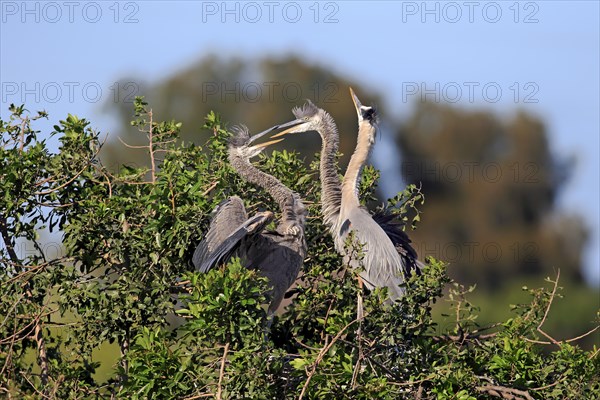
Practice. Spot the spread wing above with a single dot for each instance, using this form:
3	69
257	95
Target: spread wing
393	228
228	216
247	231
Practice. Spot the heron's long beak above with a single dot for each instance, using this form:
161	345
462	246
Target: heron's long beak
292	125
264	145
275	127
257	222
263	133
356	101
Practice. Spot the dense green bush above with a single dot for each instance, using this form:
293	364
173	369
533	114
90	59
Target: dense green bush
124	277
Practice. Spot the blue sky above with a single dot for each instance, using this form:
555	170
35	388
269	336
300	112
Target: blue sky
540	56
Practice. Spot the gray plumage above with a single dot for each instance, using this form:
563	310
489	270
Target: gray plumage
386	248
277	255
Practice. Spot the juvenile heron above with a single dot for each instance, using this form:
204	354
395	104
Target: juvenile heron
388	255
278	255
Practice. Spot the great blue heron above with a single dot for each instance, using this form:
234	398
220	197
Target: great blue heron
388	255
277	255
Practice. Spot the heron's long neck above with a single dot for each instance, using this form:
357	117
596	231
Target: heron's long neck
278	191
331	196
358	160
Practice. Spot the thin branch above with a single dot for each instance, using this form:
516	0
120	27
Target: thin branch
132	146
320	357
172	195
222	371
43	356
550	385
359	317
33	386
150	147
211	187
51	190
504	392
564	341
22	134
88	163
539	328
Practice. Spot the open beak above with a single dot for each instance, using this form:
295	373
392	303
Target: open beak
275	127
263	133
356	101
292	125
264	145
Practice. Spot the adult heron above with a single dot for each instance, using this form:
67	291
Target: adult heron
387	253
278	255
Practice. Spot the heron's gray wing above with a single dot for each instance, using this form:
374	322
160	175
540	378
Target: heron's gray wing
239	237
227	217
279	258
393	228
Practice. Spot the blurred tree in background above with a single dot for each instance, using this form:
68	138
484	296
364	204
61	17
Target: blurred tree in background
491	184
256	93
492	187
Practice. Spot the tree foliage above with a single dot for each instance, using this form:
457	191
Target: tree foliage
125	278
493	186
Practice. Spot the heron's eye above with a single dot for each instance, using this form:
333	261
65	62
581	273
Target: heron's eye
368	113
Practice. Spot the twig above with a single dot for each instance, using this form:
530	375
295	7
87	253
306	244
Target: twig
124	348
22	134
359	317
211	187
151	149
32	385
564	341
320	357
88	163
539	328
420	392
172	195
504	392
51	190
327	317
550	385
39	339
222	371
130	145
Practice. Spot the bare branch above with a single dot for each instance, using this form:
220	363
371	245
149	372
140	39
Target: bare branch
564	341
504	392
132	146
211	187
222	371
539	328
22	134
321	355
150	147
43	356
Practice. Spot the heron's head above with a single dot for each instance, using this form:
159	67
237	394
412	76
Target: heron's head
240	144
367	117
259	221
309	117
